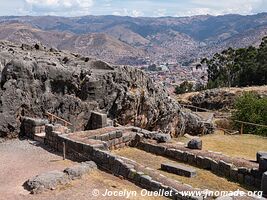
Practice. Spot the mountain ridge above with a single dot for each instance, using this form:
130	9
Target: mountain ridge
141	40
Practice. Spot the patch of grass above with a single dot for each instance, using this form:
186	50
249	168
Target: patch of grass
204	179
242	146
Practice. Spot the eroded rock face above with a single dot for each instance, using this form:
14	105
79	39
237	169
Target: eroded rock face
36	80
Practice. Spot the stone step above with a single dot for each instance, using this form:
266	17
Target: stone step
179	169
40	137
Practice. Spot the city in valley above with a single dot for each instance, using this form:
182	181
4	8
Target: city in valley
136	100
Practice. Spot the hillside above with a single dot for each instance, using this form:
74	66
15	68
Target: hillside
136	40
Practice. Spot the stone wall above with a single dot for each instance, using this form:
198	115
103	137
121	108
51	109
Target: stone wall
115	139
51	135
32	126
242	175
112	163
97	149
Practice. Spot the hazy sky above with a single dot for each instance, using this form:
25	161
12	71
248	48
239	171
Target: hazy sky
133	8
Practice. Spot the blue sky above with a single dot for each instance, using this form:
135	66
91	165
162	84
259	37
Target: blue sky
135	8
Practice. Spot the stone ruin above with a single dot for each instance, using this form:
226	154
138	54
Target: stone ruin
96	145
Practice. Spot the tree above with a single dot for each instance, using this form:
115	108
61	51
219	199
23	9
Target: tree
240	67
184	87
251	108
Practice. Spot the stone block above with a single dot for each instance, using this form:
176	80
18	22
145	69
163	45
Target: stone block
98	120
264	184
170	153
162	138
179	155
145	181
116	141
105	137
118	134
257	183
155	185
234	174
256	173
159	150
115	168
137	177
243	170
206	164
124	170
240	178
132	174
195	143
87	149
191	158
249	180
214	166
260	154
98	137
125	138
112	135
179	169
224	168
199	161
185	156
263	164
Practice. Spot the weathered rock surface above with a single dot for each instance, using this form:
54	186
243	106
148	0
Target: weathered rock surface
195	143
47	181
51	180
36	79
78	171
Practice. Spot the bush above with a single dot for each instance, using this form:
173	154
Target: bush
184	88
252	108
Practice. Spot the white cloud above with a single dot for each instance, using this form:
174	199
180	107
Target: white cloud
127	12
202	7
160	12
59	7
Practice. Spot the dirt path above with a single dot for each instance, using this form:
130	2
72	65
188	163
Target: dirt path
21	160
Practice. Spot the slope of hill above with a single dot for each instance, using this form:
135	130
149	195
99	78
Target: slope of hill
164	39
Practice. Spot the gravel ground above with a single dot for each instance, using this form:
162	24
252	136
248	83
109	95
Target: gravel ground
23	159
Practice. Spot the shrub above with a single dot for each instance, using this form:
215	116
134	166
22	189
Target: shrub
184	88
252	108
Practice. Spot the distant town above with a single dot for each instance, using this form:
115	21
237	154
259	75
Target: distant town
171	75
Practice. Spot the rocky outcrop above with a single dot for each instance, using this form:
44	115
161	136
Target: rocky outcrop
35	80
53	179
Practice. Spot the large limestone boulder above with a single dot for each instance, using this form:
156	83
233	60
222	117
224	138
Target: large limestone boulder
47	181
35	80
79	170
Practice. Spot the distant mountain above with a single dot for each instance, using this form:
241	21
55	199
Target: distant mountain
127	40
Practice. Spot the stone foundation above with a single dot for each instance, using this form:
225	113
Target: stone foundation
243	175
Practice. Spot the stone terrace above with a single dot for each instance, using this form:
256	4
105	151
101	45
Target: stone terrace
96	145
